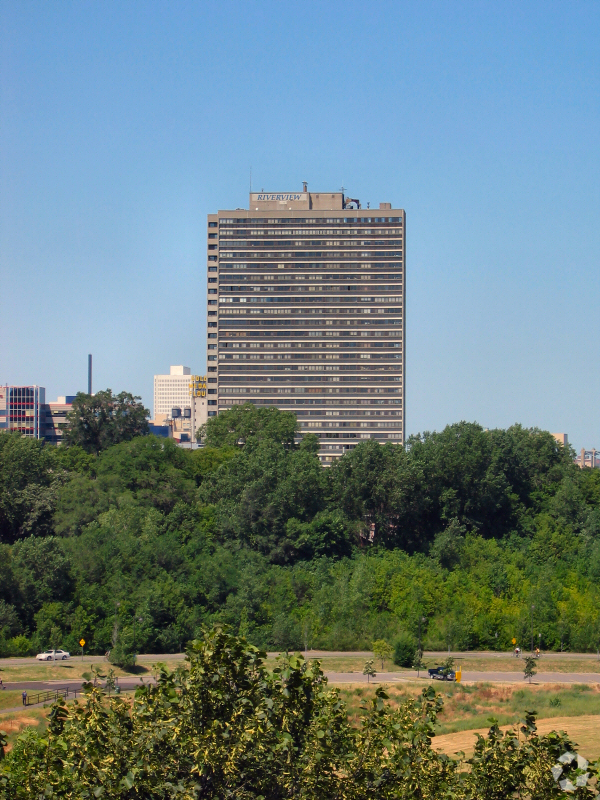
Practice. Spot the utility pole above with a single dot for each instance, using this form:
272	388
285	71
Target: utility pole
532	607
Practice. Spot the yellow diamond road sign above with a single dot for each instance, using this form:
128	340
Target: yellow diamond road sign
82	642
514	641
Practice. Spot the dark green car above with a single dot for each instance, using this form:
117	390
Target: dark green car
441	674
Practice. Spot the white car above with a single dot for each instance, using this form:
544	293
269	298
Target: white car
53	655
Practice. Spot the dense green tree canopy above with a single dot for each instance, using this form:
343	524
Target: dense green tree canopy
27	487
247	421
98	421
465	527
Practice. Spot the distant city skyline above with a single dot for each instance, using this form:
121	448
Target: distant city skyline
123	126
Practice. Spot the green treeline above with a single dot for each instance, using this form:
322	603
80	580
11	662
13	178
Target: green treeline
144	543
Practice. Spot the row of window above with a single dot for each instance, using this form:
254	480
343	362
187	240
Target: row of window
273	276
306	221
354	413
318	333
288	230
322	425
305	390
246	369
301	298
294	265
378	320
318	357
306	346
301	289
321	403
228	312
265	241
302	254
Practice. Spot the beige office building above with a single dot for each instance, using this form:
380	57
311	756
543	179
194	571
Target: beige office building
306	299
171	391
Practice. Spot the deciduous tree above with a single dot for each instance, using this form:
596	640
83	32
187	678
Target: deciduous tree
98	421
382	650
529	668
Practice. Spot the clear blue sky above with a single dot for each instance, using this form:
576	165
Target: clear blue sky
122	124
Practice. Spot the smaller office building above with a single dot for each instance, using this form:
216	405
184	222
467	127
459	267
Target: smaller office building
171	391
179	404
24	409
56	418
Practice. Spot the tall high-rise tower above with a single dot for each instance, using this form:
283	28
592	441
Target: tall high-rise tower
306	312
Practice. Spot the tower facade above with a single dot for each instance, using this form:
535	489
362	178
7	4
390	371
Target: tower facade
306	299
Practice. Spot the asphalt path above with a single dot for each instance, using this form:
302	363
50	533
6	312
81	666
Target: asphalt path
128	683
467	677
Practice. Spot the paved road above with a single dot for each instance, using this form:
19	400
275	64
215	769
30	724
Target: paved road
342	677
489	677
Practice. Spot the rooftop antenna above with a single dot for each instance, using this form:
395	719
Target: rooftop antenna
250	180
90	374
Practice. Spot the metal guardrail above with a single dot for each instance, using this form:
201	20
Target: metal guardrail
49	694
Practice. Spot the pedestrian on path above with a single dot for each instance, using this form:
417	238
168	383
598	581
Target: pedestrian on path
24	696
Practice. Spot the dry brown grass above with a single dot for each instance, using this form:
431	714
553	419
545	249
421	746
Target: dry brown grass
585	731
470	707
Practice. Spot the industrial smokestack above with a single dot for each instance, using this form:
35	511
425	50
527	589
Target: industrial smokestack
90	374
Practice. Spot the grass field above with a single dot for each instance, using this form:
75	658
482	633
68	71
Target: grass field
505	663
68	671
9	699
467	709
470	706
500	662
345	664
